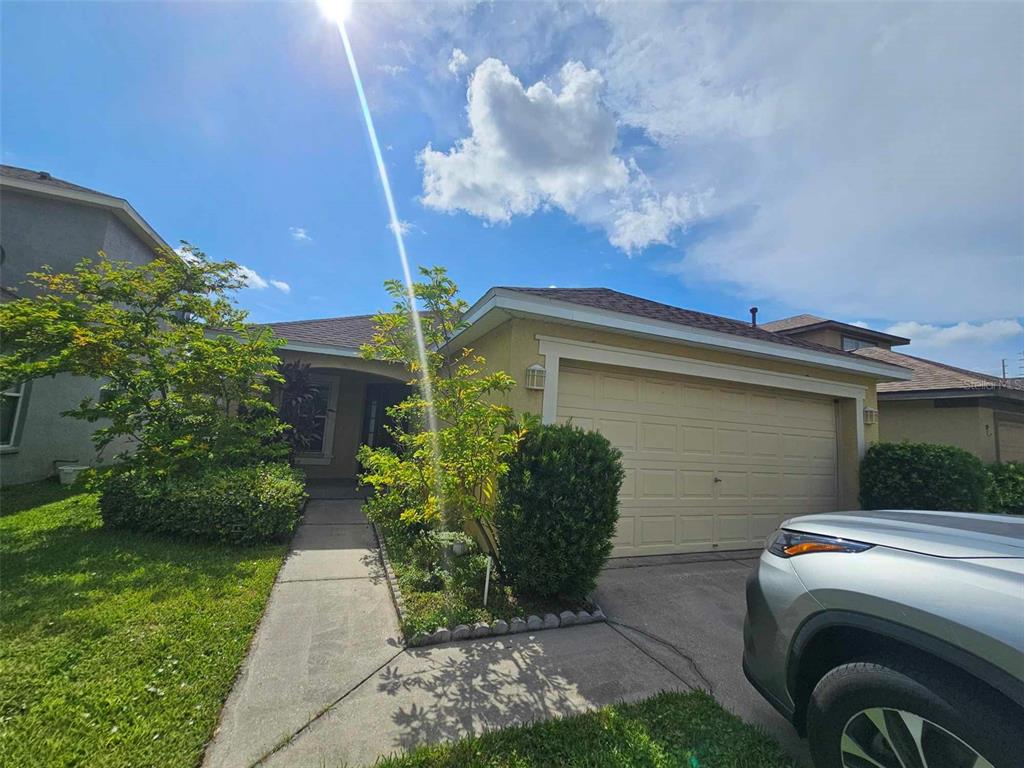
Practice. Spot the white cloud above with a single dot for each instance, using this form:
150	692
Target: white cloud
300	234
457	62
964	333
394	70
256	281
252	278
859	166
531	148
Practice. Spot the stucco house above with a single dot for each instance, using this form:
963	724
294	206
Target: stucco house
939	404
725	427
49	221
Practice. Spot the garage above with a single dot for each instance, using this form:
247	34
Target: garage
710	465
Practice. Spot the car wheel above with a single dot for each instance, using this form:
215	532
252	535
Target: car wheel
891	713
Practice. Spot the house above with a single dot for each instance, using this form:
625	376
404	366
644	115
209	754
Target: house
49	221
938	404
725	428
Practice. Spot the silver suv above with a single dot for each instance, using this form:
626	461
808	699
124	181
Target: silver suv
893	639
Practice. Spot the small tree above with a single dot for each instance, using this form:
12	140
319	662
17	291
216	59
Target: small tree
186	378
447	477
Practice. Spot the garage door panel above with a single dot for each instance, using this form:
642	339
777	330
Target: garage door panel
659	392
659	437
656	530
733	485
773	454
698	441
732	442
697	484
620	433
656	483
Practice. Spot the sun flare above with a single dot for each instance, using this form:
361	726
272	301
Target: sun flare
337	11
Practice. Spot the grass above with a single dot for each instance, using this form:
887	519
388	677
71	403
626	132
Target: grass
681	730
457	597
117	649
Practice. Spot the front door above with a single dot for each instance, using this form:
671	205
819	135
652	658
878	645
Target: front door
380	397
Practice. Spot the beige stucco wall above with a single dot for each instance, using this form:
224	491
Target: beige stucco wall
919	421
829	337
513	346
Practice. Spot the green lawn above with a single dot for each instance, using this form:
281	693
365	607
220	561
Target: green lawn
116	649
677	730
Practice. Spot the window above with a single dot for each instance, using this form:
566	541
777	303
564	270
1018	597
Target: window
323	412
11	408
850	343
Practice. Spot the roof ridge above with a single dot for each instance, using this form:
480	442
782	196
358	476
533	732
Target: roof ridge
319	319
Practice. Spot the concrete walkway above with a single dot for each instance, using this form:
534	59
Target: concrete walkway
327	682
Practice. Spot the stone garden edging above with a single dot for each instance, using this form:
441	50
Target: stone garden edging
496	628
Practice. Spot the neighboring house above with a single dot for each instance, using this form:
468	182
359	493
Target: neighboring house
939	403
44	220
725	428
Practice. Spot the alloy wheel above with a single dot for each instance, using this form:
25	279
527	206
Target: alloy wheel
881	737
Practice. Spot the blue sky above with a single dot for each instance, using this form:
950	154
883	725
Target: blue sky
856	161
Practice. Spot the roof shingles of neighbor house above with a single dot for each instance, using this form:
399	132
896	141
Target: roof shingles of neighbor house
624	303
790	323
930	376
46	180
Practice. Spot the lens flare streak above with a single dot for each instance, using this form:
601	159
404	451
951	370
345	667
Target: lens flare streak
396	229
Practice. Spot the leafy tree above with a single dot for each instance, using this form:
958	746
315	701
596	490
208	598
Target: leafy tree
445	476
186	378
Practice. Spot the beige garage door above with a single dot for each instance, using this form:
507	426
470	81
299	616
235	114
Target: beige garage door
708	465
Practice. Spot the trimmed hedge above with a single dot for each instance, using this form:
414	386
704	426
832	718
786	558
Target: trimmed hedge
922	476
239	505
1006	488
557	510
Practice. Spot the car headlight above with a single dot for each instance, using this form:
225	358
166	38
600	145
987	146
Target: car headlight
786	543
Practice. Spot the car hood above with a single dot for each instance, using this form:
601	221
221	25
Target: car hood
942	534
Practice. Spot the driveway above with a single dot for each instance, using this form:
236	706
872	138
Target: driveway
687	611
327	682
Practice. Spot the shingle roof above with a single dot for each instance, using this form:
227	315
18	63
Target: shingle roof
44	178
931	376
351	331
789	323
615	301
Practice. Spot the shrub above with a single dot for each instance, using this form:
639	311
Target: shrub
557	510
240	505
921	476
1005	492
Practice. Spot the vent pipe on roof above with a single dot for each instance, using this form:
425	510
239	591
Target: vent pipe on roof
753	317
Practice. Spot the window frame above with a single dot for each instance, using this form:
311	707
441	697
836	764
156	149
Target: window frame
326	453
19	391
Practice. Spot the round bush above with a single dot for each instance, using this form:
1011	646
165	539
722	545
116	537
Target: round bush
557	509
922	476
241	505
1006	488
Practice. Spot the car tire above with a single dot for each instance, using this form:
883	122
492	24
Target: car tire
895	689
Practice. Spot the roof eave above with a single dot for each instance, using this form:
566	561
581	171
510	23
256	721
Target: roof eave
121	207
1005	393
500	299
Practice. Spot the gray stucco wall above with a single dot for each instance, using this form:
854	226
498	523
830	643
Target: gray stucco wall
35	231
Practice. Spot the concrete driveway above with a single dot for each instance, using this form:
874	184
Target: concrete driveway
687	611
